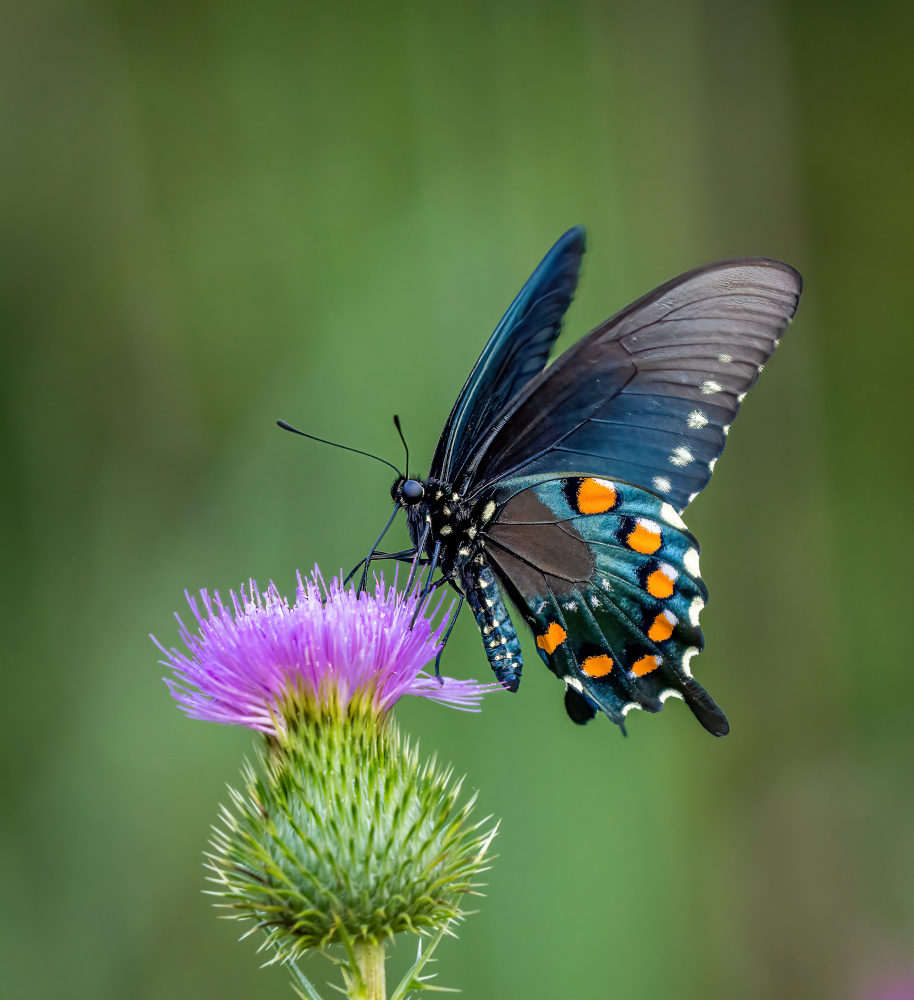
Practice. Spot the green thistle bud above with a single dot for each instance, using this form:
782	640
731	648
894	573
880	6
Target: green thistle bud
342	836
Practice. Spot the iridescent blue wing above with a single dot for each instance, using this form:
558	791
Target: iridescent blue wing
516	352
606	575
649	395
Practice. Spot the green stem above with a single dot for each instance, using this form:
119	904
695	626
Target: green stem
370	959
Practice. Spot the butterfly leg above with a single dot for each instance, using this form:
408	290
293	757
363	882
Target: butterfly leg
418	557
432	563
447	634
371	552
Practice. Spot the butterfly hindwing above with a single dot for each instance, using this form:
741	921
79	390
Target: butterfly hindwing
607	577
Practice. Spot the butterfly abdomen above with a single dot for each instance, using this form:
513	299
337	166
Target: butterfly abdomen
498	634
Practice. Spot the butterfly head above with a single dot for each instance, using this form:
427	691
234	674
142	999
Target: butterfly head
407	492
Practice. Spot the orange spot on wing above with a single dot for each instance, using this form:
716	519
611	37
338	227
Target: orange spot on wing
552	638
644	539
661	628
660	583
645	665
596	496
597	666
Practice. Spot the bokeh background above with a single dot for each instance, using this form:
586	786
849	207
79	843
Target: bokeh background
219	213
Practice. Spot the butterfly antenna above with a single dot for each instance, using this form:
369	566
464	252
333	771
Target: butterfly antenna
403	439
295	430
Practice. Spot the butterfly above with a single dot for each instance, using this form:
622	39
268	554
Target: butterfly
560	487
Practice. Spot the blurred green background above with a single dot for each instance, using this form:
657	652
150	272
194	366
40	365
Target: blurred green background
219	213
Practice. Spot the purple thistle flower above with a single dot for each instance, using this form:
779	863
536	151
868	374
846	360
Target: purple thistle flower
248	659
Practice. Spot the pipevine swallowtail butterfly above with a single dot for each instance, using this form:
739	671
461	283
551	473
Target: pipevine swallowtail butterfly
561	487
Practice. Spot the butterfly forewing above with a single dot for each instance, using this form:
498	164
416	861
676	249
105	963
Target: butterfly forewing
648	396
516	352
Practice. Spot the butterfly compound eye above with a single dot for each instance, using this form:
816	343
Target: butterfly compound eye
412	490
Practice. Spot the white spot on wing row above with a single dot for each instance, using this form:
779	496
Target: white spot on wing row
690	561
681	456
669	515
709	387
687	659
696	420
662	483
695	609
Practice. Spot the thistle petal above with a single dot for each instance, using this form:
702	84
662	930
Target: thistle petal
252	660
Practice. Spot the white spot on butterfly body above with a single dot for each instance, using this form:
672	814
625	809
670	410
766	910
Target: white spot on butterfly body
446	511
687	658
662	483
695	609
488	511
471	531
484	583
696	420
681	457
669	515
690	561
445	529
725	358
455	497
709	387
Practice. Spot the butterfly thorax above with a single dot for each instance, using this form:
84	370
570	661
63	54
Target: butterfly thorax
451	521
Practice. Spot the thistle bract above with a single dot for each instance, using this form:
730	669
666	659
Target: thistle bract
341	835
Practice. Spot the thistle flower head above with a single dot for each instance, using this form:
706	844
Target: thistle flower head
261	660
340	834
